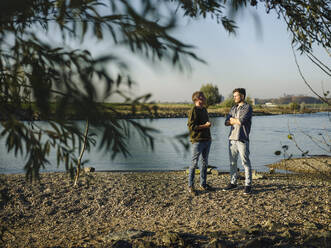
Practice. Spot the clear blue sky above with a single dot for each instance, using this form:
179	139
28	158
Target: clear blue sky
260	61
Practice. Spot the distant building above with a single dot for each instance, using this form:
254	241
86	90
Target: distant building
270	105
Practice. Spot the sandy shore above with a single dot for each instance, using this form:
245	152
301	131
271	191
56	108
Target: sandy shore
312	165
153	209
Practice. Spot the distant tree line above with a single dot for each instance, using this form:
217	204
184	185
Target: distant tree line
290	99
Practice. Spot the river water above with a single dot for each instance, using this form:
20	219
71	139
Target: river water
268	134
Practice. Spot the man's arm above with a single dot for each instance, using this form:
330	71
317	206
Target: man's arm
245	114
228	117
234	121
204	126
191	120
192	123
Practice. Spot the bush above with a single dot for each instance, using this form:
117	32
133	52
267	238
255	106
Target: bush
229	102
211	93
293	106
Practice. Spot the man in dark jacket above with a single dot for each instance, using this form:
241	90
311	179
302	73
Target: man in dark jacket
240	120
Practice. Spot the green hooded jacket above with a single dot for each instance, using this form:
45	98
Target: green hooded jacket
198	116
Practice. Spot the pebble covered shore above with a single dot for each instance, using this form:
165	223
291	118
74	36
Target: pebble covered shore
154	209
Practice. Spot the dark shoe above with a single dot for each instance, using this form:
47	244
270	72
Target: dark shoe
230	186
248	190
205	187
192	191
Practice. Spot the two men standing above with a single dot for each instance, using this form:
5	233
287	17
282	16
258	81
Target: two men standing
240	120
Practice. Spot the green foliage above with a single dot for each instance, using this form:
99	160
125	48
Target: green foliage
211	93
228	102
308	20
61	80
214	8
293	106
302	107
249	100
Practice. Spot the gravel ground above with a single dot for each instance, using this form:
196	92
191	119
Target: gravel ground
154	209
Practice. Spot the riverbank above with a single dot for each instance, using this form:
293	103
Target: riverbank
153	111
318	164
181	111
154	209
172	110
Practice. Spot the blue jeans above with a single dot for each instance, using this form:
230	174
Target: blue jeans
198	148
241	147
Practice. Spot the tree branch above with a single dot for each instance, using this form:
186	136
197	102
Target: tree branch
303	78
81	153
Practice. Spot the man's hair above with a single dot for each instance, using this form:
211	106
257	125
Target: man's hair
196	95
241	91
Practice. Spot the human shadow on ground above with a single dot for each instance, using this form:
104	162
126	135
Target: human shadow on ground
257	188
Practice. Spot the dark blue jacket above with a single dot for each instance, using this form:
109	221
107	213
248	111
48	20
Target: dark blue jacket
245	118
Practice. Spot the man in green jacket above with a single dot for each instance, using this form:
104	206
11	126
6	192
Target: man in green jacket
199	128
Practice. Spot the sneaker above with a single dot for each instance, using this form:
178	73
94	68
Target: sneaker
230	186
248	190
191	190
205	187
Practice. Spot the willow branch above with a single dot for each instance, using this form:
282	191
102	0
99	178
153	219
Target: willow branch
320	63
81	153
303	78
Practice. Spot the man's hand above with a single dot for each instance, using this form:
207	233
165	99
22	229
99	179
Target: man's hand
234	121
207	124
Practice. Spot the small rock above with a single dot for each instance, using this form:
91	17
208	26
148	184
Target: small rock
255	175
272	170
126	235
89	169
272	226
47	190
215	172
52	211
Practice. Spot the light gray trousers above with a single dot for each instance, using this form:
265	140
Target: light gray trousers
241	148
